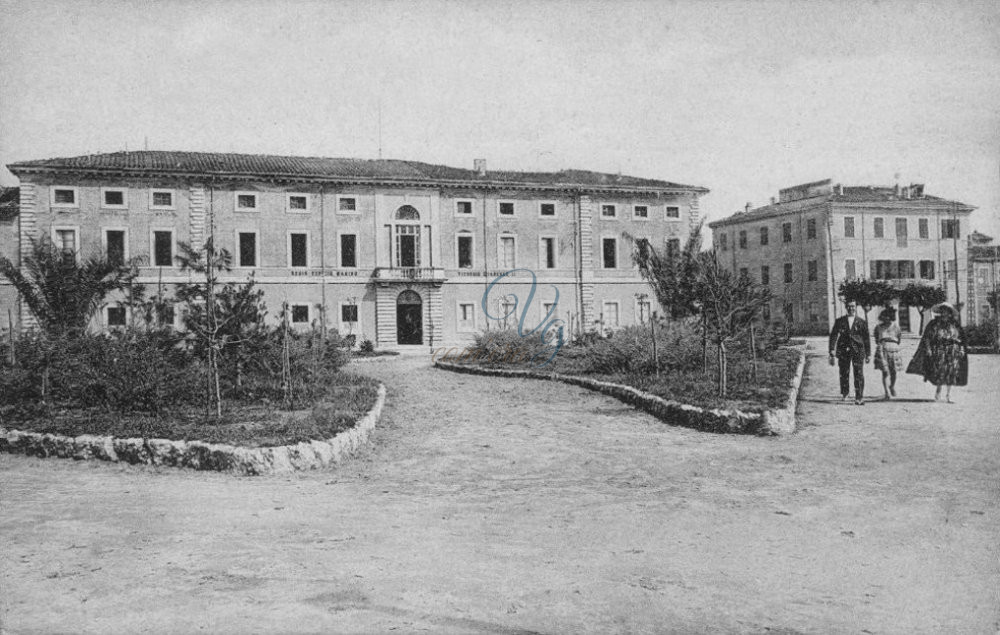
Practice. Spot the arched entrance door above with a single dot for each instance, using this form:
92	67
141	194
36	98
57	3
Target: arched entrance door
409	318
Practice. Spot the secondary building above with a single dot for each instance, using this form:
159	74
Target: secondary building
984	277
399	252
816	235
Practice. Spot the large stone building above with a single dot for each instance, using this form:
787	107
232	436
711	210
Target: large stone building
398	252
817	235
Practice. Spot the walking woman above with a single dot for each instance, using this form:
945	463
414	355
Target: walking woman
887	337
941	356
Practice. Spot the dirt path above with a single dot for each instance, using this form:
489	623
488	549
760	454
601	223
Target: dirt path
508	506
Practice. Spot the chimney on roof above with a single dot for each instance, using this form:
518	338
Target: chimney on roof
906	192
774	199
895	190
839	189
748	206
480	166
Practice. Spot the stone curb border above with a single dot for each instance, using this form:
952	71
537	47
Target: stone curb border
776	421
198	455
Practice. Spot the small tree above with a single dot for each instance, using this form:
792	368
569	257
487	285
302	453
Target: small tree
729	304
673	277
868	293
62	292
923	297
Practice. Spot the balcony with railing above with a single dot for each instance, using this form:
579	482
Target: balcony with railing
408	274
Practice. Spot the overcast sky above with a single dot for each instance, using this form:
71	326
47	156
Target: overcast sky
741	97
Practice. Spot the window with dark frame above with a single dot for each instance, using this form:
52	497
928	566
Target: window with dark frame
248	249
348	250
246	201
64	197
763	236
465	251
641	211
549	245
300	314
788	272
923	228
299	243
850	269
879	229
743	239
116	316
608	210
548	209
163	199
724	242
673	211
298	202
463	207
950	229
765	274
786	232
115	240
114	198
789	310
163	249
812	271
744	272
848	227
609	250
348	313
673	248
506	209
902	232
347	204
810	228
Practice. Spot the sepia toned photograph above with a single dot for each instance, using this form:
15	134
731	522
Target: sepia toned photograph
534	316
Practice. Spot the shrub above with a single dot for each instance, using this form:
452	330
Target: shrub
982	334
367	346
506	346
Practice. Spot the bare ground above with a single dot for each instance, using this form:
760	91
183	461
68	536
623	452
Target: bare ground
508	506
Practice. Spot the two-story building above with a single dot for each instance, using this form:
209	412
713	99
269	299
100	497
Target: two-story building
984	277
816	235
399	252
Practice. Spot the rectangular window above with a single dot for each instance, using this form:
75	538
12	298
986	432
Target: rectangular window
950	229
161	199
788	272
116	316
66	242
610	315
64	197
246	202
463	208
163	248
763	236
765	312
673	248
850	269
609	253
297	203
114	244
765	275
247	249
547	209
906	269
349	314
506	208
673	212
464	251
348	250
848	227
950	270
466	317
786	232
724	242
926	269
298	249
879	228
548	253
743	239
640	211
114	198
300	313
923	228
812	270
347	205
814	311
902	232
644	309
789	311
508	253
608	210
744	272
810	228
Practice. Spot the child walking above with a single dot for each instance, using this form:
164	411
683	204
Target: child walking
887	336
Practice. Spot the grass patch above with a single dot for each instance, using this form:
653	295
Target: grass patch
347	398
363	354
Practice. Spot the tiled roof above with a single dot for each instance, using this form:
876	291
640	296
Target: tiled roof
850	194
227	164
10	202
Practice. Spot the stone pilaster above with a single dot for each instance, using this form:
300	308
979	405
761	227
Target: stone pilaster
586	263
434	315
694	214
199	213
385	315
27	230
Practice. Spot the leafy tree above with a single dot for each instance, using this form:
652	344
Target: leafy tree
923	297
729	306
868	293
61	292
673	277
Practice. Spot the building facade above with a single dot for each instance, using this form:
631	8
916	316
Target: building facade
815	236
984	277
397	252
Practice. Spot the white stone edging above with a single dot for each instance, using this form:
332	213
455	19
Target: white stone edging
774	421
199	455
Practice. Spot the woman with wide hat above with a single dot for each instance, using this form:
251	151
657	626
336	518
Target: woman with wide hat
941	357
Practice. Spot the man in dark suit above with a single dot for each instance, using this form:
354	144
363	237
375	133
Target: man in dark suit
851	345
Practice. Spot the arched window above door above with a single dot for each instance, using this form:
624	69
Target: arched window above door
407	213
